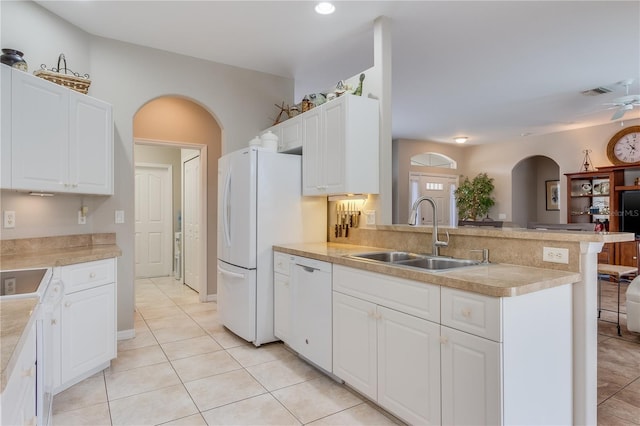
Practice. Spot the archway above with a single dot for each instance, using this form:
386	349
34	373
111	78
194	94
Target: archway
176	129
529	191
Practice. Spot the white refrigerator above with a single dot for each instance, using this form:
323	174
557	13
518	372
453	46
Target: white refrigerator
260	204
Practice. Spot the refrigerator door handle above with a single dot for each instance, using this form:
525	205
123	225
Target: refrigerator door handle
230	274
225	209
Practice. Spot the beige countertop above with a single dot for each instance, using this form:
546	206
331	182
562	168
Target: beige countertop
15	317
17	314
499	280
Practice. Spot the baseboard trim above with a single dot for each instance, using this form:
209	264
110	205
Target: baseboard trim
211	298
126	334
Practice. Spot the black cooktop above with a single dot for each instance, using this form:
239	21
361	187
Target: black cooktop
23	281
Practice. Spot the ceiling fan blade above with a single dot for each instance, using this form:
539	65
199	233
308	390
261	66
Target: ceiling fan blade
618	114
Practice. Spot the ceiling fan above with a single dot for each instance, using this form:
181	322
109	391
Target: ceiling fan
624	103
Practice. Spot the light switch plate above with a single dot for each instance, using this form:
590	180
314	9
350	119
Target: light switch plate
119	217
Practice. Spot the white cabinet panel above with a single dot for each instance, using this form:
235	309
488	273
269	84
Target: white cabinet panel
471	379
281	307
340	147
39	133
88	330
355	347
409	366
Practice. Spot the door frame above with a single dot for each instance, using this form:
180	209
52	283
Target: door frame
203	295
169	206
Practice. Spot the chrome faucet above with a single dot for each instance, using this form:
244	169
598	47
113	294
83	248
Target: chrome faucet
413	220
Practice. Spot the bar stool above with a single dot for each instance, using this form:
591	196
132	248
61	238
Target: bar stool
616	273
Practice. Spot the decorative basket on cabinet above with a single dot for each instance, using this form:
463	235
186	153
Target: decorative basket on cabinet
69	79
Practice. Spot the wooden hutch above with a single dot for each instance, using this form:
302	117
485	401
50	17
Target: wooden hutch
595	197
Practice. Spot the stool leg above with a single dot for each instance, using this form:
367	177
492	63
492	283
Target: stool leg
599	296
619	333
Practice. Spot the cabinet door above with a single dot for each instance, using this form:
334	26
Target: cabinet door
281	307
627	253
39	134
355	343
409	366
471	380
88	330
333	143
314	154
311	307
90	145
291	135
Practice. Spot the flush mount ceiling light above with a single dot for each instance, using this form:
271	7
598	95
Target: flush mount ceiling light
325	8
461	139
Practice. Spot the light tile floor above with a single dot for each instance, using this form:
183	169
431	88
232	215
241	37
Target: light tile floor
184	368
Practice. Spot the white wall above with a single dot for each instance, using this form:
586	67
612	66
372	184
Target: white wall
128	76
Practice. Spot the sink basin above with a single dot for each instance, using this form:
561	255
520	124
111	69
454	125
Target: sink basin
438	263
388	256
413	260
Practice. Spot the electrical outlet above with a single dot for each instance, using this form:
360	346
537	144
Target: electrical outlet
555	255
370	217
9	219
82	219
9	286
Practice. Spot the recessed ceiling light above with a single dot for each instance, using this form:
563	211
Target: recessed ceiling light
325	8
461	139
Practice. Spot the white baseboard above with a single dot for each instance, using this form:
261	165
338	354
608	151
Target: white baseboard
126	334
211	298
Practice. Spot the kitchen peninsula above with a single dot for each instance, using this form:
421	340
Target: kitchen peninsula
517	276
74	308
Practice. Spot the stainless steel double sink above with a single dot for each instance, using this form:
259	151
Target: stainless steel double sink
414	260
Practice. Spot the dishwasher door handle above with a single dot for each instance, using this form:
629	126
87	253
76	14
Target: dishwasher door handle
307	268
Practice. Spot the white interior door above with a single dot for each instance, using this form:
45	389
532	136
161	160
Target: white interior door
153	216
191	224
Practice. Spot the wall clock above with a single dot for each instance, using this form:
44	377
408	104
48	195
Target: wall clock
624	147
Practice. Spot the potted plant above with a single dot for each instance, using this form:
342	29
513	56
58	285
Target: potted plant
473	197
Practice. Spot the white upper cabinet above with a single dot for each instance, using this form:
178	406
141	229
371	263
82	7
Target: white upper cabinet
340	147
54	139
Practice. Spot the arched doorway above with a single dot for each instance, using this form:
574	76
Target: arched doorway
178	131
528	186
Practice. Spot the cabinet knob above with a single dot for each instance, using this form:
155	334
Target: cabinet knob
54	321
32	421
92	275
67	304
444	340
466	312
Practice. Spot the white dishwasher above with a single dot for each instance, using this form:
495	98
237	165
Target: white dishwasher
311	325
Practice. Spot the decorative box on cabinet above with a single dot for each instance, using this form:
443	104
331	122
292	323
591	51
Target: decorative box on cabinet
88	320
71	147
340	145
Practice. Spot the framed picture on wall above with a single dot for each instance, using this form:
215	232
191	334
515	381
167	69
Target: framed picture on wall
553	194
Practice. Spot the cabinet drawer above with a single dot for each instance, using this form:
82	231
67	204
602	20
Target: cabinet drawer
82	276
473	313
281	263
411	297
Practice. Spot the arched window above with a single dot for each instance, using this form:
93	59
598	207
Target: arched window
433	159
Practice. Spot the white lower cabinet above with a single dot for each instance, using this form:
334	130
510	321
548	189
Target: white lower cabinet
471	385
88	339
18	399
433	355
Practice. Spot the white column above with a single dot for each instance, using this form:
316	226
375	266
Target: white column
382	65
585	337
